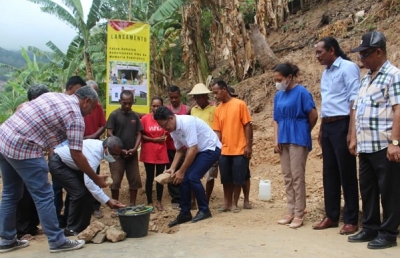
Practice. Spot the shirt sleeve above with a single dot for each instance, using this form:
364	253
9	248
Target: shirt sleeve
190	132
394	90
245	114
352	80
216	126
139	126
102	120
275	114
96	191
75	132
111	121
307	102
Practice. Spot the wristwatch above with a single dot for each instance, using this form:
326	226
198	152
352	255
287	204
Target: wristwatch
394	142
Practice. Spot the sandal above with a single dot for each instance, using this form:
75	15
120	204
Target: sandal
114	214
296	223
222	209
286	220
236	210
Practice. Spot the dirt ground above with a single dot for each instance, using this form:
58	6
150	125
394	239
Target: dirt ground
255	232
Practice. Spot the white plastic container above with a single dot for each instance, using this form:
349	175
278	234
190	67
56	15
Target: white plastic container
264	190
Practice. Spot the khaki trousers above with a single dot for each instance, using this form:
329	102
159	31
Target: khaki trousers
293	163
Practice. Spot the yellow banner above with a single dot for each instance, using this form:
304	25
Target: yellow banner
128	64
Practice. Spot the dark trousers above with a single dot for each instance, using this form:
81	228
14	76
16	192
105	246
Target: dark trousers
59	203
96	203
380	182
149	181
27	218
192	180
339	170
173	190
81	202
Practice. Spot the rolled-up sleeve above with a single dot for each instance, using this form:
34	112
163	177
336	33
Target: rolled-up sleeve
352	80
75	132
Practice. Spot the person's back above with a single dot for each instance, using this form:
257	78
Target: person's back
56	112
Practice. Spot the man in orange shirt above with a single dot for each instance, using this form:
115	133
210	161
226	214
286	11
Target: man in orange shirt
232	123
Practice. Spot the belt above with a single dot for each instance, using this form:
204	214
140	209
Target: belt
331	119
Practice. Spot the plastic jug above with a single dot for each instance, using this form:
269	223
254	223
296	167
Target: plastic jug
264	190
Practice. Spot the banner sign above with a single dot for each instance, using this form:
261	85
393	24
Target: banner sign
128	64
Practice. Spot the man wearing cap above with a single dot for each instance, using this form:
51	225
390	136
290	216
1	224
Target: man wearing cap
205	111
232	123
339	85
376	140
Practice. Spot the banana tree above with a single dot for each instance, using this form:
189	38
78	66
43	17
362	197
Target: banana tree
73	15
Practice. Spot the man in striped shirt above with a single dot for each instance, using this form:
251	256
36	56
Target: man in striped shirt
40	125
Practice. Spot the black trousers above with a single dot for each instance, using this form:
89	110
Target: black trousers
96	203
380	182
339	171
173	190
27	218
81	202
159	168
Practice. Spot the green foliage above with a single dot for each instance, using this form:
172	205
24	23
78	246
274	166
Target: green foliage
166	10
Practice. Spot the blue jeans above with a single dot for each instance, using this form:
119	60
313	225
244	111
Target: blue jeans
191	181
34	173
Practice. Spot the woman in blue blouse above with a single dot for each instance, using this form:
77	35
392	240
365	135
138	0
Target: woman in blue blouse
294	118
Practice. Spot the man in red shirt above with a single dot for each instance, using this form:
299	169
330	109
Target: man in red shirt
95	125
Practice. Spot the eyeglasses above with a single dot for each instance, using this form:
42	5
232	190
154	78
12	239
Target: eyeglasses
365	55
164	125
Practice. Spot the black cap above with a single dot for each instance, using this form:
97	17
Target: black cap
231	91
371	39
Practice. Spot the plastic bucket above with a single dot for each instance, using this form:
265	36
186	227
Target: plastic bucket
134	225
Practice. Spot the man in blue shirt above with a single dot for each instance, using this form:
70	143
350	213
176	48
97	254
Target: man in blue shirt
339	87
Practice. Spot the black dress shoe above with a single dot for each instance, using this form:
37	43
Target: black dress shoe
362	236
381	243
68	232
201	215
180	219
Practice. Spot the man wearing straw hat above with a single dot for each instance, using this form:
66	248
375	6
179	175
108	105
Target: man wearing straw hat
205	111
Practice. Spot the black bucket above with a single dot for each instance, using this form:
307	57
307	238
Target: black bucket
134	225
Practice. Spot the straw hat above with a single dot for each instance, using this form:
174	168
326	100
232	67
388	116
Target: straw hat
199	89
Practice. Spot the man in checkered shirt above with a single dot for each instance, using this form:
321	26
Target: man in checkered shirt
376	138
40	125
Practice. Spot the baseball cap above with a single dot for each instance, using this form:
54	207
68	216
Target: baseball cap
371	39
231	91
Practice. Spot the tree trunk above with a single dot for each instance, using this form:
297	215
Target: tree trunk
265	56
88	66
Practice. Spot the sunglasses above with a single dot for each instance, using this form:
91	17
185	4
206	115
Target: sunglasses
365	55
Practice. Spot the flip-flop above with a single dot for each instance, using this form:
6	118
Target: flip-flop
114	214
247	207
236	210
222	209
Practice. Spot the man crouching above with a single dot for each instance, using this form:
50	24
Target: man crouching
203	150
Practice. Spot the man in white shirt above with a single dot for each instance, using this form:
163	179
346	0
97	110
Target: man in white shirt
78	185
203	150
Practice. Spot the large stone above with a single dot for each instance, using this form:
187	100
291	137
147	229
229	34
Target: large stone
97	226
115	234
100	237
163	178
87	234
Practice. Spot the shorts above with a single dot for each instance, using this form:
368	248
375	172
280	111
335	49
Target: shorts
248	176
131	166
234	169
212	172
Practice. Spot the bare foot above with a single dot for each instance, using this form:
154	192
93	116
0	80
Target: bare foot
224	209
159	206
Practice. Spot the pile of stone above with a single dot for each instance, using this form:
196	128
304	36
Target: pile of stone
97	233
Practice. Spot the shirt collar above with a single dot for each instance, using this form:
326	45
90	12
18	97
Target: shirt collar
178	122
336	63
383	69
